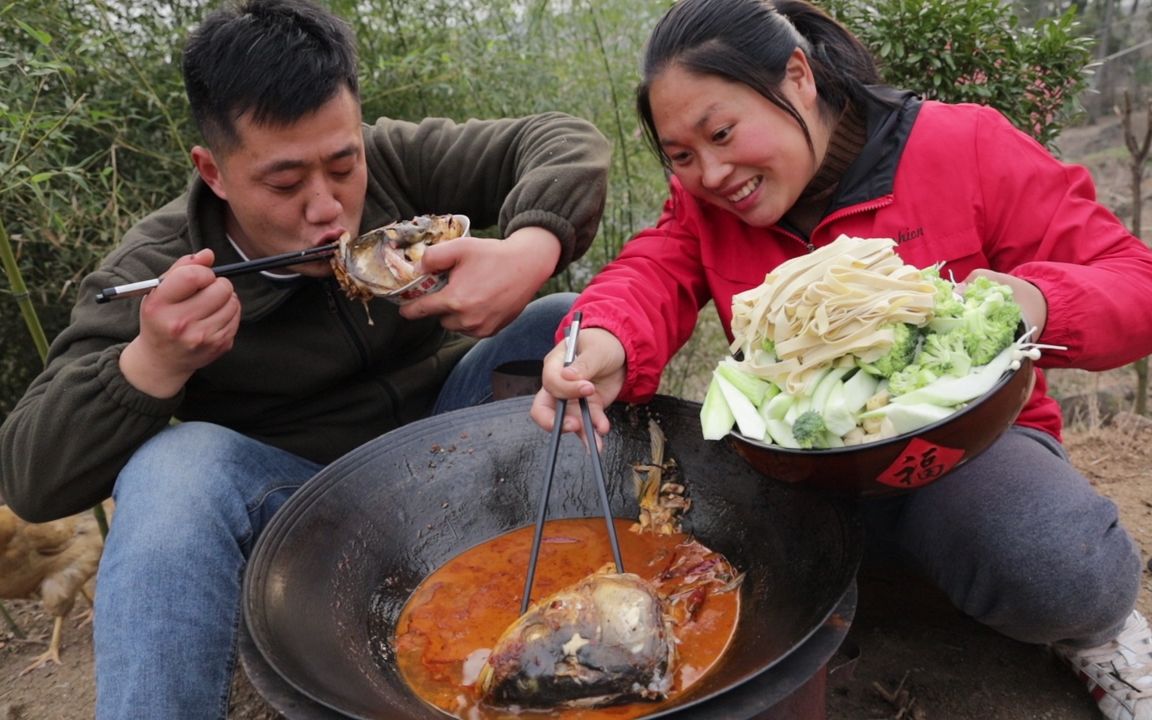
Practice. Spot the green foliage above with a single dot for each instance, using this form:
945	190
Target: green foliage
506	58
977	51
89	145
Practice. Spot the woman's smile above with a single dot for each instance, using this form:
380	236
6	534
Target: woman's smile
746	189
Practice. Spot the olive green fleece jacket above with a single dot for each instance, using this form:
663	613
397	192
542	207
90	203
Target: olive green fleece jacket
307	372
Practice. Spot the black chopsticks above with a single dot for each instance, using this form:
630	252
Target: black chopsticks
597	471
272	261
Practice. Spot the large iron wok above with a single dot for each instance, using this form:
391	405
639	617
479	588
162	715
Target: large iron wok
330	575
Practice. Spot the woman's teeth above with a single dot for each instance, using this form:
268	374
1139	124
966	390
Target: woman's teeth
745	191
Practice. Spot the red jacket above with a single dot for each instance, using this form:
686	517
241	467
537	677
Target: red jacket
951	183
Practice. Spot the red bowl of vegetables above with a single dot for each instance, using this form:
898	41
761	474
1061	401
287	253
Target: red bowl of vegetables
856	373
902	463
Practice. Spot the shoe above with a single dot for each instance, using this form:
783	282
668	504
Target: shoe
1117	673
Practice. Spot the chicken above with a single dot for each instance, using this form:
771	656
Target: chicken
53	561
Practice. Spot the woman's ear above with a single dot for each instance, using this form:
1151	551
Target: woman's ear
798	78
209	169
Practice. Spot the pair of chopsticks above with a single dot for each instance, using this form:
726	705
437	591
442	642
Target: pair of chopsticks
597	470
248	266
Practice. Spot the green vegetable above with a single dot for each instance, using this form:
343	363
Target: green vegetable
838	416
907	417
951	391
777	407
827	383
911	378
754	388
991	319
716	418
949	306
781	434
941	355
809	429
747	417
905	340
857	389
968	335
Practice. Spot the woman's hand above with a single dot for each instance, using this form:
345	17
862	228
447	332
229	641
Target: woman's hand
597	374
1033	306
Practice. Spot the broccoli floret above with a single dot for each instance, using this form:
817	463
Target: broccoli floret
940	354
910	378
980	289
988	323
945	354
947	306
905	339
991	319
808	429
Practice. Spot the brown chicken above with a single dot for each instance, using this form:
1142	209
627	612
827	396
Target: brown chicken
52	561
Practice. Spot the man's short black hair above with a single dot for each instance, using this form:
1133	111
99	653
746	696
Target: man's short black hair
276	59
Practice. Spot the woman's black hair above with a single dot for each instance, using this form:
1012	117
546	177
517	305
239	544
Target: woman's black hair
750	42
277	59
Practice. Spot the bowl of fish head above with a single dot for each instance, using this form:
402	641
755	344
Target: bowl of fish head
902	463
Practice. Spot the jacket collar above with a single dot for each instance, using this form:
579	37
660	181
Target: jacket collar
259	295
890	114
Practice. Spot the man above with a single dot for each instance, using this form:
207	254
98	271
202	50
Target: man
273	375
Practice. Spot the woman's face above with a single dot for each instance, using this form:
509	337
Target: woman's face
731	147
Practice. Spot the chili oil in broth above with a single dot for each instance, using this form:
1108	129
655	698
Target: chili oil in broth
455	616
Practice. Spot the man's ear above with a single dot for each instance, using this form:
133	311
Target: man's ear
209	170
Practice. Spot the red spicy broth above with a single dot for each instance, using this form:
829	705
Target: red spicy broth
456	615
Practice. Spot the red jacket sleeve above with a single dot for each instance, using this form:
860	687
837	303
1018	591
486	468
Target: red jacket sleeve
1045	226
649	297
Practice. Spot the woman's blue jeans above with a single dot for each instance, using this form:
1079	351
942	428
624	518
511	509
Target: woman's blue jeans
189	507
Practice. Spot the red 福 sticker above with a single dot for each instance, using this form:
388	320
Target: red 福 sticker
919	463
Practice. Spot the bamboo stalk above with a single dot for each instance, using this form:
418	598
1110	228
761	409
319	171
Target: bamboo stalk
20	292
32	320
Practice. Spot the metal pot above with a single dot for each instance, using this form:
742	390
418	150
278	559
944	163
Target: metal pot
330	575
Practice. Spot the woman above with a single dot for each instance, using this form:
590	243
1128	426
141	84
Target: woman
778	137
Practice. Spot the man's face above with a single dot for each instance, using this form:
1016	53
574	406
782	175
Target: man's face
294	187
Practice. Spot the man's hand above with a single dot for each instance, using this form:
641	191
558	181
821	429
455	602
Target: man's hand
490	280
186	322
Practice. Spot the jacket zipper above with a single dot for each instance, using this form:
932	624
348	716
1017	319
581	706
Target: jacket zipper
857	209
341	313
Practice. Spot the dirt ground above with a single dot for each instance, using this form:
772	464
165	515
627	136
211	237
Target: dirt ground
908	654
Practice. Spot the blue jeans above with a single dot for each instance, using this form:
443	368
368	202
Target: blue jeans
189	507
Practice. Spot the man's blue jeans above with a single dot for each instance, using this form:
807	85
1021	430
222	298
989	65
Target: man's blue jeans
189	507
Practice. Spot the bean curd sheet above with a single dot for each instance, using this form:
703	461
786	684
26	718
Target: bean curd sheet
453	619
